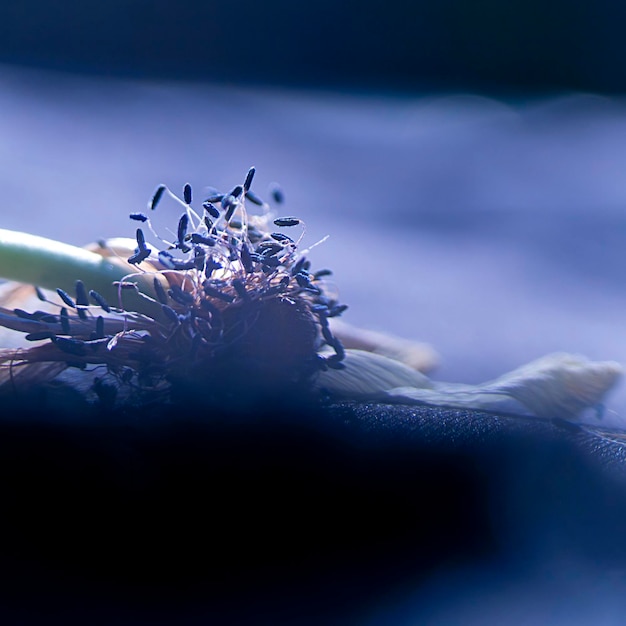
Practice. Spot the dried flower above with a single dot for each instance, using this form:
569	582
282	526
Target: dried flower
229	307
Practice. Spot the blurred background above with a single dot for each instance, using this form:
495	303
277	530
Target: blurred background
466	158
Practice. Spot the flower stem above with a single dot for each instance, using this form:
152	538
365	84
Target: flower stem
51	264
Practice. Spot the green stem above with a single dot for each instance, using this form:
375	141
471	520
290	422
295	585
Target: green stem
51	264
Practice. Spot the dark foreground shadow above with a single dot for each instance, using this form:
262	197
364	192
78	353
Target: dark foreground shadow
298	515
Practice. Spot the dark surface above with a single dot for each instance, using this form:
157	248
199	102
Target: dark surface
297	516
452	44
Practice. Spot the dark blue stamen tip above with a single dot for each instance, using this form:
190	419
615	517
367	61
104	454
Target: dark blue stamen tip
141	239
66	298
38	336
281	237
246	259
286	221
65	322
183	224
100	327
303	280
81	294
337	310
297	268
100	301
249	177
211	265
211	209
236	191
250	195
212	292
277	193
138	217
187	193
25	315
197	238
156	197
321	274
180	296
230	211
141	254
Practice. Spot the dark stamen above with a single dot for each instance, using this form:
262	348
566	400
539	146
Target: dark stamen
303	280
287	221
297	268
141	254
269	248
81	294
236	192
38	336
180	296
100	301
100	327
197	238
211	265
277	193
138	217
250	195
249	177
230	210
246	259
321	274
141	239
337	310
40	294
187	193
199	257
216	293
25	315
281	237
157	197
66	298
183	224
211	209
65	322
